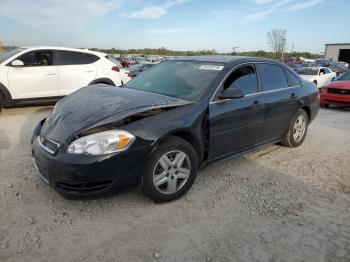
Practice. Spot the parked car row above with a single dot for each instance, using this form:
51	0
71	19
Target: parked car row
45	74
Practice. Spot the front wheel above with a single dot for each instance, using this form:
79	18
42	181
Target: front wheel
297	130
170	170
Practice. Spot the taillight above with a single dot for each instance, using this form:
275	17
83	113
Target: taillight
116	68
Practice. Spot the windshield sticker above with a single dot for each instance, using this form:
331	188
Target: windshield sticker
211	67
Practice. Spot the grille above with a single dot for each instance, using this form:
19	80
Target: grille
47	144
85	187
338	91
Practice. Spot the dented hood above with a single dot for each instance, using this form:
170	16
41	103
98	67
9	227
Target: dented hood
97	105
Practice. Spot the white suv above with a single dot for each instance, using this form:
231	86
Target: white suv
45	74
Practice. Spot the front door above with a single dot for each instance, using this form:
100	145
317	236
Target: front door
236	124
37	78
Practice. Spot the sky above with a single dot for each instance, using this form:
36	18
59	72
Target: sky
174	24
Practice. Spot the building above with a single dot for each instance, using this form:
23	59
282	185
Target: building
338	52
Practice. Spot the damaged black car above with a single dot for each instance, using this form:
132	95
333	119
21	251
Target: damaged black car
160	128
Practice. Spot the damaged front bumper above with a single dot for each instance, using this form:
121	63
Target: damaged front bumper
76	176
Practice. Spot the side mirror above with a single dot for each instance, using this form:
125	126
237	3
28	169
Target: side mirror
231	93
17	63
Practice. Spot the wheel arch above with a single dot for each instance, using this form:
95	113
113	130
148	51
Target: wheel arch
5	94
308	112
102	81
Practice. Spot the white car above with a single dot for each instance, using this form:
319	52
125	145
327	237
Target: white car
318	75
45	74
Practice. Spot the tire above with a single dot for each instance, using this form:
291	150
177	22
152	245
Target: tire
162	185
324	105
299	124
1	103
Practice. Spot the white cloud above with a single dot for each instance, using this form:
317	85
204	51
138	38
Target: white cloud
255	17
168	31
156	11
150	12
263	9
58	15
304	5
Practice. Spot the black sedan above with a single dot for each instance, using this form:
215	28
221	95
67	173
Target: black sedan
168	122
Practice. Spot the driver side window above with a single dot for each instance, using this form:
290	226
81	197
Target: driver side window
37	58
244	79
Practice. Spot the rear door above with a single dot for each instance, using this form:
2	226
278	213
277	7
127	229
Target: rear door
38	78
76	70
280	98
236	124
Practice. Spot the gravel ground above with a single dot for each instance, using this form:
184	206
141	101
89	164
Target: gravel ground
278	204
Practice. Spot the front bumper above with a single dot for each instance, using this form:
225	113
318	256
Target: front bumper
336	99
79	176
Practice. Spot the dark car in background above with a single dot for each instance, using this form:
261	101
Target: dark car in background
168	122
139	68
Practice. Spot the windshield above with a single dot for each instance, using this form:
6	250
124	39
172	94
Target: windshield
307	71
9	54
345	76
180	79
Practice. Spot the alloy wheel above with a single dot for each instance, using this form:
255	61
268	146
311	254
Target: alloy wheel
299	128
171	172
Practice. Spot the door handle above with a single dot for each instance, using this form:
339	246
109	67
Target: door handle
50	73
293	96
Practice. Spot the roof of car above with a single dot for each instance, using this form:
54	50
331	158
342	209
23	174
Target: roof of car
222	58
64	48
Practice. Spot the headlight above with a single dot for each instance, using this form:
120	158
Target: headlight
102	143
323	90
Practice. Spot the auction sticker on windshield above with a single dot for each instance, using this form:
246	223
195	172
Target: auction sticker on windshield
211	67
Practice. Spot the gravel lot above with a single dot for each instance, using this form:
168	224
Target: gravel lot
278	204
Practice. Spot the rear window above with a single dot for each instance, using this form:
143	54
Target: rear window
181	79
76	58
345	76
272	77
293	79
307	71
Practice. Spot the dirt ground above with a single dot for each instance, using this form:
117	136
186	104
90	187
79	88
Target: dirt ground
278	204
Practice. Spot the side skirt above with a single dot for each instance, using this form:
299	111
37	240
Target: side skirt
33	101
238	154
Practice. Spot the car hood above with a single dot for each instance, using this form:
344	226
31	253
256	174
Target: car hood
98	105
345	84
308	77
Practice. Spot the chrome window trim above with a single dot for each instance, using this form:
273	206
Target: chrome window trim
263	92
45	147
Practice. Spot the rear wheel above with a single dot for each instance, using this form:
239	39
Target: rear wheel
297	130
170	170
1	103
